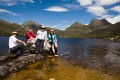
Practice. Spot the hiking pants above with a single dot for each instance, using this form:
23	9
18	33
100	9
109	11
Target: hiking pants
18	47
39	46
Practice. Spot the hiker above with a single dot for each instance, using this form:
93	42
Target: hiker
53	42
16	45
41	38
30	35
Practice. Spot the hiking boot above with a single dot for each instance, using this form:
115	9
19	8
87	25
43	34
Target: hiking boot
50	55
55	54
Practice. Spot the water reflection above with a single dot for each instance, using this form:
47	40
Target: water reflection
50	64
91	53
4	44
96	54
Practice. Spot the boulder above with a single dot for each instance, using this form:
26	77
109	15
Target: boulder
18	63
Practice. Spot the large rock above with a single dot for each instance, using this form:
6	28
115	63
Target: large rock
18	64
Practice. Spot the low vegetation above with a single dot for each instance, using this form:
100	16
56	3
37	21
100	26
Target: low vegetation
96	29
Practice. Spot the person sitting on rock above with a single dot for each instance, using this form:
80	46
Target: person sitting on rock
16	45
41	39
30	34
53	42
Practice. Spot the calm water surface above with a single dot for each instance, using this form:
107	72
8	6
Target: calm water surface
95	54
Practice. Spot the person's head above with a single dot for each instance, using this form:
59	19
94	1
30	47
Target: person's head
42	28
30	29
52	31
14	33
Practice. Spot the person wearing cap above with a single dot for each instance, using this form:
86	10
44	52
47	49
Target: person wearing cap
30	34
16	45
41	38
53	42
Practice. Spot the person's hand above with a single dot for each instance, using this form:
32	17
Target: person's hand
24	44
47	41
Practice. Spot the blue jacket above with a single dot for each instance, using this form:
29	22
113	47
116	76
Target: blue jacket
52	37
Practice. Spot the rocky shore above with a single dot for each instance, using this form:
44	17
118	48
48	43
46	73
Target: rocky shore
19	63
116	38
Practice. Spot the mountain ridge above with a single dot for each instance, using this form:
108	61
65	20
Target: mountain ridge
96	24
76	30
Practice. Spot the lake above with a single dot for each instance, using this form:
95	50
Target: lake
93	59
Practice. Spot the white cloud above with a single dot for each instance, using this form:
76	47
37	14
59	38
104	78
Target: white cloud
85	2
14	2
116	8
114	19
72	6
60	26
57	9
106	2
106	16
97	10
8	12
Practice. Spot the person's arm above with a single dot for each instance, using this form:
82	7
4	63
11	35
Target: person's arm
55	38
33	35
46	38
37	34
28	35
20	41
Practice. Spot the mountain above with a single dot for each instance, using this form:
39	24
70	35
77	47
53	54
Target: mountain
36	26
30	24
6	28
76	30
111	31
96	24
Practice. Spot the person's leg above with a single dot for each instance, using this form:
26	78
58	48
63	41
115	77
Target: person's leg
53	48
37	46
22	48
50	51
56	49
41	46
56	54
16	49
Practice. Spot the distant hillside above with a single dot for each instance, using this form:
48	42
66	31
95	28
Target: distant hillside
111	31
76	30
30	24
103	29
96	24
6	28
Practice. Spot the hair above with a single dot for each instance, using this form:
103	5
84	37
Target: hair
53	32
29	28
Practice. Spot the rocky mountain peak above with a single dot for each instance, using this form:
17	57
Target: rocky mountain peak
98	23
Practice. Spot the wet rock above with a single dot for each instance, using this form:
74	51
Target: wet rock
112	61
19	63
2	58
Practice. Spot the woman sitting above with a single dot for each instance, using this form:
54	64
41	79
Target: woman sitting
53	42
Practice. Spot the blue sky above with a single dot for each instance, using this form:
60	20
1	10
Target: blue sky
59	13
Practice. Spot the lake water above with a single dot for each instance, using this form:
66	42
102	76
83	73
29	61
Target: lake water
4	48
77	54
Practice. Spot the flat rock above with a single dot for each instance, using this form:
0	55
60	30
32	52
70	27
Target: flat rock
18	63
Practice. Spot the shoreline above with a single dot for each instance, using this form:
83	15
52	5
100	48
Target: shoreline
18	64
